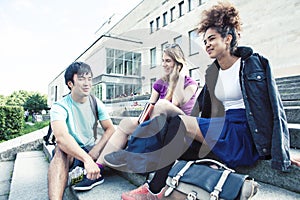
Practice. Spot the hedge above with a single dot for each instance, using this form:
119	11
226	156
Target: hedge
11	121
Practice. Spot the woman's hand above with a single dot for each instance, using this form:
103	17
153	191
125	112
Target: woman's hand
175	73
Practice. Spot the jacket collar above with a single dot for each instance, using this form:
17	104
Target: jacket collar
243	52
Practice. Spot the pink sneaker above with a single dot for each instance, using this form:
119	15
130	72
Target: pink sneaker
142	193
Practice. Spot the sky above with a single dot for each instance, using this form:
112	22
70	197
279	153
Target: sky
40	38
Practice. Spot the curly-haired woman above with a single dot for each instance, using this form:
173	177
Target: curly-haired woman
242	117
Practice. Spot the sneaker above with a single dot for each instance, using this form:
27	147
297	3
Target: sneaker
142	193
116	159
87	184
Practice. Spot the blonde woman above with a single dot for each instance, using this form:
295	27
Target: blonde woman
173	94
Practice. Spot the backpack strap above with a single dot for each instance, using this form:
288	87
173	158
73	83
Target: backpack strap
48	136
93	103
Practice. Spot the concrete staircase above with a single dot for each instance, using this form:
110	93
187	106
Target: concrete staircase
29	178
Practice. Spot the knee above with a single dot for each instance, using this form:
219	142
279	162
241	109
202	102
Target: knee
59	155
127	125
161	107
162	104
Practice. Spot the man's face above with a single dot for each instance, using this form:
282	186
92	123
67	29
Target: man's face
82	84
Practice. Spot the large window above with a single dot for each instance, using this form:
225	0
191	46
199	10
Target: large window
193	42
153	57
123	62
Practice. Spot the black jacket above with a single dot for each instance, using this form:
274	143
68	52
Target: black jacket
265	113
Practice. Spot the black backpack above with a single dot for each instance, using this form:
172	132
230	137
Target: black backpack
50	137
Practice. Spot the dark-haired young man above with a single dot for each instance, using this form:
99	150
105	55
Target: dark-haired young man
72	121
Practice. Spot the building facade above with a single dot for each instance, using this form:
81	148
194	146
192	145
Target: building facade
126	57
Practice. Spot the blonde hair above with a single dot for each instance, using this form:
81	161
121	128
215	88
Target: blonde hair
175	52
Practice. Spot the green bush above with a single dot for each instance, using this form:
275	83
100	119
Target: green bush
11	121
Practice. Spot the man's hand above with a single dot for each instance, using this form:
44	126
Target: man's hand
92	170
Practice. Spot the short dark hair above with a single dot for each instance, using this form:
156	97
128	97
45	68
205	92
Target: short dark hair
79	68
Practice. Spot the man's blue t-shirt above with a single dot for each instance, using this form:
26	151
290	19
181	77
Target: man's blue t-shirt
79	118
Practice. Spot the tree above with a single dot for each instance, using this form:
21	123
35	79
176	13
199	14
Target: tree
17	98
36	102
2	100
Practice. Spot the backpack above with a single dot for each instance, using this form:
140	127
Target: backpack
49	138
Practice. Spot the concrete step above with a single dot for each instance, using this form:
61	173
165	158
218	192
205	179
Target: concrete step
6	171
291	103
294	130
290	97
266	191
292	114
263	172
29	179
289	88
288	79
112	188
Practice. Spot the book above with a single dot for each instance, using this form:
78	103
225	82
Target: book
145	114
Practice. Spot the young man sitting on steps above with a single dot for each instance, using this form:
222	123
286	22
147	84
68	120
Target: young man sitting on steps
72	120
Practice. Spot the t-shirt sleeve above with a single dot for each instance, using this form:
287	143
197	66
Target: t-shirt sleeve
189	81
102	111
158	85
57	113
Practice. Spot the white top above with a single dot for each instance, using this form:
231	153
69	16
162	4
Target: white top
228	89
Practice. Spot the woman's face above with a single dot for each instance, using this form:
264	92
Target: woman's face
215	45
168	64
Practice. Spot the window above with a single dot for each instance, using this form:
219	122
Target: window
181	8
110	55
97	90
202	2
165	19
123	62
192	4
153	57
195	74
157	23
137	64
193	42
163	46
152	81
151	27
178	40
172	10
